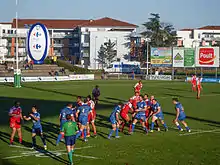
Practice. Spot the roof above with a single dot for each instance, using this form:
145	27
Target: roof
186	29
5	23
108	22
210	28
69	24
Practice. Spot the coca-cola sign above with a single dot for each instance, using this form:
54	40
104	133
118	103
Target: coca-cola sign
207	57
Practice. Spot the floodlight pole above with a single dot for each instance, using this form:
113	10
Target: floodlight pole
16	36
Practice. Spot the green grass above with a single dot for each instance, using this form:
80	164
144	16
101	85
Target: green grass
161	148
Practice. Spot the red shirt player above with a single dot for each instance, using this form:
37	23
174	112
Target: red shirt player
92	116
193	82
124	114
15	114
135	99
148	111
138	87
199	87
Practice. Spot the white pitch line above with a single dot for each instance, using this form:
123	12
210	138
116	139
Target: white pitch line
15	146
200	132
89	157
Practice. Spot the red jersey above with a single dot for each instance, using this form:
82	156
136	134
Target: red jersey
135	100
17	112
198	83
138	86
193	81
126	108
92	105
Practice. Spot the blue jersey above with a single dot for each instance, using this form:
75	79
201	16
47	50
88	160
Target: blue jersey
141	106
36	123
64	112
84	111
155	107
117	109
181	110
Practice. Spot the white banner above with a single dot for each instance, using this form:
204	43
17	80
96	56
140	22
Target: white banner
178	57
56	78
207	57
159	77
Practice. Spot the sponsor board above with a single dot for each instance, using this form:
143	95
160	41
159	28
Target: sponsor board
45	79
178	57
161	57
208	80
159	77
38	43
207	57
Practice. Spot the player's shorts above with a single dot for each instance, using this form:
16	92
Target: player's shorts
70	140
159	116
124	116
14	124
147	113
38	130
83	120
61	124
181	117
112	120
140	117
91	118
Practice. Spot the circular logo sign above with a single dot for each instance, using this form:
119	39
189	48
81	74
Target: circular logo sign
38	43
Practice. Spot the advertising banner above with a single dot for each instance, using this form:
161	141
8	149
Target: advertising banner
189	57
178	57
207	57
161	57
38	43
159	77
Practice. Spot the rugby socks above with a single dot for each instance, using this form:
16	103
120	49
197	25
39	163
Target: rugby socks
59	138
34	141
152	126
70	157
85	132
116	132
11	141
43	140
20	140
122	126
146	130
165	126
132	128
78	134
110	134
187	128
178	126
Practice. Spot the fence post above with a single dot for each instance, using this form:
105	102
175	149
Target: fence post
172	73
216	72
201	70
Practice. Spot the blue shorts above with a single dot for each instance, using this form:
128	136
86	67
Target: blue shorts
38	130
181	117
61	124
83	120
140	117
70	140
112	120
159	116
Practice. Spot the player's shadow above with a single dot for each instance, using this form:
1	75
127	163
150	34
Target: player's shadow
176	89
115	99
195	118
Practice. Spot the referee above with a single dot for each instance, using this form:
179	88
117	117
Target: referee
69	130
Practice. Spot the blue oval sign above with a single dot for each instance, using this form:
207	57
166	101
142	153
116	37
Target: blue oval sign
38	43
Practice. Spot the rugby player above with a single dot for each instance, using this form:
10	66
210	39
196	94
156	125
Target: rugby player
37	127
138	86
15	114
115	121
180	115
124	115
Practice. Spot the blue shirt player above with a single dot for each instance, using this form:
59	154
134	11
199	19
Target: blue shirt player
114	119
141	114
82	115
157	114
37	127
68	110
180	115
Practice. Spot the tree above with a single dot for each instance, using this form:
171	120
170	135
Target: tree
111	53
102	56
160	33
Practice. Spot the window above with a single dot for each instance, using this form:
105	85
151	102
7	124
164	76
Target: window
3	31
76	44
75	35
199	36
86	38
9	32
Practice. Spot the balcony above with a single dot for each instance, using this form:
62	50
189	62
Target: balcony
20	35
62	36
58	45
85	44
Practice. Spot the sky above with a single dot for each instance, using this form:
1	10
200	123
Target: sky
181	13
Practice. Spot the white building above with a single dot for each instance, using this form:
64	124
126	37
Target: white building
205	36
76	39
